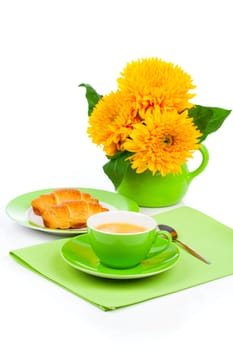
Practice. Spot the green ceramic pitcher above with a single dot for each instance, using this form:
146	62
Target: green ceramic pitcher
160	191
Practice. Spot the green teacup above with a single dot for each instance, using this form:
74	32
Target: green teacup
122	239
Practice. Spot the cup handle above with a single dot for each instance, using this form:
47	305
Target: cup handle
168	237
202	166
156	250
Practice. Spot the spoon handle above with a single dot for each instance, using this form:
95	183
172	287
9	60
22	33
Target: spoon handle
193	252
174	235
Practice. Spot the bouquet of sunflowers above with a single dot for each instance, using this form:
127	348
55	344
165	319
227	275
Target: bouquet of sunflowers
149	123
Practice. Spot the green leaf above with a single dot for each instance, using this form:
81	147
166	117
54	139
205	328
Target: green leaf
208	119
92	97
116	168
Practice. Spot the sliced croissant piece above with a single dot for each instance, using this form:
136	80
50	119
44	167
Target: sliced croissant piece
70	214
45	201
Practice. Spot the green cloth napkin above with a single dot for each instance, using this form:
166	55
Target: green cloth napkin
208	236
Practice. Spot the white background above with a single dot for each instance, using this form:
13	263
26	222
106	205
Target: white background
47	49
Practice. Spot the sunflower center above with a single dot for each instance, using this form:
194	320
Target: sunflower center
167	140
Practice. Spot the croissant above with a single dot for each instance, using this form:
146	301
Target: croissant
70	214
45	201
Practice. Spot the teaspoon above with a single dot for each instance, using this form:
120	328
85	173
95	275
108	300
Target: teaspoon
174	235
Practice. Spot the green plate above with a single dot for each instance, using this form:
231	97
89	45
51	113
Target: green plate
78	253
19	209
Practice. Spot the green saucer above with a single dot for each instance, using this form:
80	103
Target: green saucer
78	253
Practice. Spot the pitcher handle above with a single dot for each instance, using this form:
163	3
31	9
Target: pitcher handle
202	166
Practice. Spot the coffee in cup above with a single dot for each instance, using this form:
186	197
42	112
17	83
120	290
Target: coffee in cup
122	239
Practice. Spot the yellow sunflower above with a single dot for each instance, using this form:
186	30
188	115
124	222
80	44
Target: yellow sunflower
151	82
111	122
163	142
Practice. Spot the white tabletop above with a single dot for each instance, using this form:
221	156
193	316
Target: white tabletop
47	49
